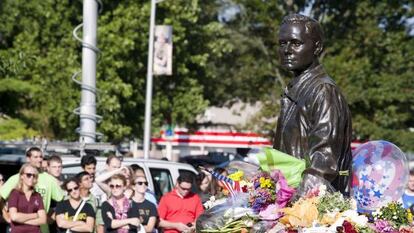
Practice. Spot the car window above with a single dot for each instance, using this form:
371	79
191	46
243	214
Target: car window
71	170
162	181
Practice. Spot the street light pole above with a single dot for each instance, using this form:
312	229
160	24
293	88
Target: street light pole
148	97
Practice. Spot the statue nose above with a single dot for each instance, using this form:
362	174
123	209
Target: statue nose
288	48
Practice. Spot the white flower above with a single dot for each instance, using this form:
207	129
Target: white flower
353	216
213	202
394	217
377	213
322	190
249	223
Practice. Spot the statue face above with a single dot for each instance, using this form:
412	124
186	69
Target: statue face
296	48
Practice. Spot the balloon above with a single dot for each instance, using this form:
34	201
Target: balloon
379	175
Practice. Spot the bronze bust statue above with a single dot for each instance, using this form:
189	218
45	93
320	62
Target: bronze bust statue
314	121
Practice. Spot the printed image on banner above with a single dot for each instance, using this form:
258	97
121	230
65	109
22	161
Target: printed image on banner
163	50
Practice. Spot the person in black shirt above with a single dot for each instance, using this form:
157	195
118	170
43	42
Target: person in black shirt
147	210
74	214
118	213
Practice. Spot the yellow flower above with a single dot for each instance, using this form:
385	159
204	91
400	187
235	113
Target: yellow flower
237	176
261	180
265	183
409	215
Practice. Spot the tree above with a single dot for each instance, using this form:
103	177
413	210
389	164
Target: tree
368	55
43	32
223	51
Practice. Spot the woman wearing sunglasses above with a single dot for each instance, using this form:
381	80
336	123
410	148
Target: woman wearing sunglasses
118	213
147	210
26	208
74	214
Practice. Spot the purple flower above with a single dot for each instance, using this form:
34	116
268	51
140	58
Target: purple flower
384	226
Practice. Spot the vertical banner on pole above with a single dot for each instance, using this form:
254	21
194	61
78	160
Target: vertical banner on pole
163	48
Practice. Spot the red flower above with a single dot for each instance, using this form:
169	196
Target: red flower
244	189
405	229
348	227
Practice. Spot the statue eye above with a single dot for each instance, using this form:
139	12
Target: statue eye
297	43
282	42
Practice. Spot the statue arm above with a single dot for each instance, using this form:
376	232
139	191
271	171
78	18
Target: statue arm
328	131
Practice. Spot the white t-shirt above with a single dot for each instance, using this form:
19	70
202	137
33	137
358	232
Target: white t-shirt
98	193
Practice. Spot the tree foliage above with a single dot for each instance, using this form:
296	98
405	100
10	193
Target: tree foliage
224	51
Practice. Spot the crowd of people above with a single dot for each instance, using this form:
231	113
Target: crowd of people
115	200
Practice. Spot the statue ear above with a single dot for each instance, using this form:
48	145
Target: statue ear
318	48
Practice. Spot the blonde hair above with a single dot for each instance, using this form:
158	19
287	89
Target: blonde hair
119	177
21	173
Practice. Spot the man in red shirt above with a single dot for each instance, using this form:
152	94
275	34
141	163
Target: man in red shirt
179	209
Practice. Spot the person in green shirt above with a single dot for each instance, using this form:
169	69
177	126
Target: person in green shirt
47	185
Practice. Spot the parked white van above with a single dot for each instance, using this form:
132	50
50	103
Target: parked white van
161	175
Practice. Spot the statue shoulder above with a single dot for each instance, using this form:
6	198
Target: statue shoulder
324	79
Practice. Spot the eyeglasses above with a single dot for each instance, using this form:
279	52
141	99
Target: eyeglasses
141	183
30	175
72	189
115	186
185	189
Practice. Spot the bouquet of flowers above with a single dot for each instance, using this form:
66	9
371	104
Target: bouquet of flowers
317	209
263	192
393	218
232	216
269	193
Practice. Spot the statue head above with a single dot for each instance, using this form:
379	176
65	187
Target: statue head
300	43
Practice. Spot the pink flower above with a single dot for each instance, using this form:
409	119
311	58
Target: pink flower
283	191
270	213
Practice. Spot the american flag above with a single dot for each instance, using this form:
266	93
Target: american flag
231	185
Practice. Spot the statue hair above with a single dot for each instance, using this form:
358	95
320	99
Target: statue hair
312	27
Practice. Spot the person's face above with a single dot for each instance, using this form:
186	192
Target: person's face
411	183
36	159
55	168
91	169
73	190
86	182
29	176
117	187
161	38
296	48
141	185
114	164
44	165
184	188
204	183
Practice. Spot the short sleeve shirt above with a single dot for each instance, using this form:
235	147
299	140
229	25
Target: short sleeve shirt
47	186
65	208
175	208
19	201
146	209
